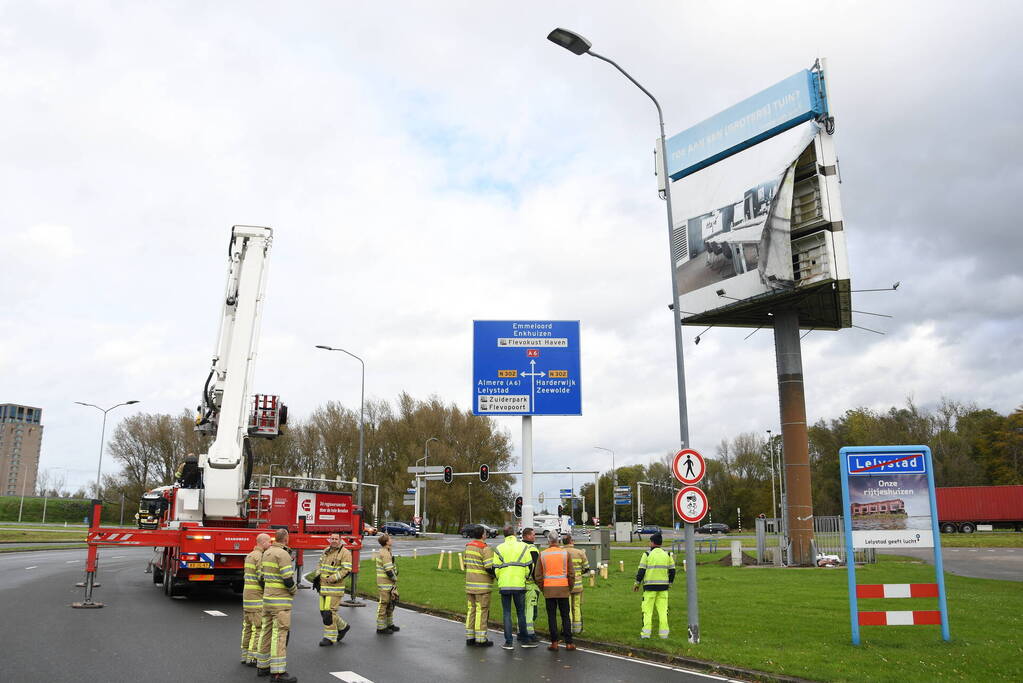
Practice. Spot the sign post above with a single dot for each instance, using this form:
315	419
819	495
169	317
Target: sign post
691	505
888	501
526	367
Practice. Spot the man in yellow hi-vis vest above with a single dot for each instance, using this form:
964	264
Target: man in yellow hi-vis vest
656	574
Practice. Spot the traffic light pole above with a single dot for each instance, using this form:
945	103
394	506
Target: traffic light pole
527	471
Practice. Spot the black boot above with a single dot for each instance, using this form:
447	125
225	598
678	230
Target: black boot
263	672
470	642
283	677
485	643
394	629
384	631
342	632
326	642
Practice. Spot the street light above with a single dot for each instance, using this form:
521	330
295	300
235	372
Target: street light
426	465
774	502
362	417
614	485
103	434
44	495
576	44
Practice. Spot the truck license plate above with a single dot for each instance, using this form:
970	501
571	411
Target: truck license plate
199	565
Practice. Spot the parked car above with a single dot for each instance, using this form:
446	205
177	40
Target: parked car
399	529
648	530
713	528
368	530
488	531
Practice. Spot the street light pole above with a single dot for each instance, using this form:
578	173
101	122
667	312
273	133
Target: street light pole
426	464
770	446
614	485
578	45
362	417
103	435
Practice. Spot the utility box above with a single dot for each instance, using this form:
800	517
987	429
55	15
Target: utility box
597	548
623	532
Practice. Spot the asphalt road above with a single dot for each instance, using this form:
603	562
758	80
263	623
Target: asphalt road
140	635
979	563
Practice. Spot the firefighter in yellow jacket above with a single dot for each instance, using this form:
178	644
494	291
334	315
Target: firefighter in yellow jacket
279	588
479	579
387	587
581	566
328	578
252	602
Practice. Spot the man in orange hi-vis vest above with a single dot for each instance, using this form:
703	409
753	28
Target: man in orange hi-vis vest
554	575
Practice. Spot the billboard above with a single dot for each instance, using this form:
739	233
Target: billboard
756	212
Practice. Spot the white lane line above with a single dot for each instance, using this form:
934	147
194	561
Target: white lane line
598	652
72	561
35	566
350	677
214	613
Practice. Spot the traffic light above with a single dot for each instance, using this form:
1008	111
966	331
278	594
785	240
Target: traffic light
518	506
484	472
561	510
448	475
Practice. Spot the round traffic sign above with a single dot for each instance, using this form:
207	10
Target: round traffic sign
691	504
688	466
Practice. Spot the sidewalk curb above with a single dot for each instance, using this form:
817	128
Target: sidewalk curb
629	651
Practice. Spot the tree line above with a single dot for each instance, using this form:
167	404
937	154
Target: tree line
970	446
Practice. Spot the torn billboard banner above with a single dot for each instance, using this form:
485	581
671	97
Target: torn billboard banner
733	223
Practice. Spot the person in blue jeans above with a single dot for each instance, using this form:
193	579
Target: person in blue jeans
511	564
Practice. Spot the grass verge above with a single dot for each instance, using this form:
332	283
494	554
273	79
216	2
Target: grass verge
791	622
33	548
11	536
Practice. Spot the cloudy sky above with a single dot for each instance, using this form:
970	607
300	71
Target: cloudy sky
427	164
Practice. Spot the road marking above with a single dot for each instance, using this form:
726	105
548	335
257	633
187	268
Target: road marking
35	566
350	677
72	561
214	613
593	652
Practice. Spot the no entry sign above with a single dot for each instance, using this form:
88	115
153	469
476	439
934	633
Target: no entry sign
691	504
688	466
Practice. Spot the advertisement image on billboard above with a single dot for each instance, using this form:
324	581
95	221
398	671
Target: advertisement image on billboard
756	212
889	499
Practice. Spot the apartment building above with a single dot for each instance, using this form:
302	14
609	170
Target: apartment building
21	437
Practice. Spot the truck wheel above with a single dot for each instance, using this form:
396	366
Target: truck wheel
948	528
967	527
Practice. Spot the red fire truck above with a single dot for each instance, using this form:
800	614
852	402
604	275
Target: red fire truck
203	526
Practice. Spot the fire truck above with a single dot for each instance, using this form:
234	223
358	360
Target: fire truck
202	527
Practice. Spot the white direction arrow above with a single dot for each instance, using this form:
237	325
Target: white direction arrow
533	374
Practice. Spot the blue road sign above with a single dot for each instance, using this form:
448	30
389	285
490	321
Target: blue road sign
623	501
526	367
566	493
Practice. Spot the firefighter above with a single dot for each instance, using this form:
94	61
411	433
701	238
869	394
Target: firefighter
479	578
279	588
532	591
656	574
188	475
387	585
252	602
581	565
328	578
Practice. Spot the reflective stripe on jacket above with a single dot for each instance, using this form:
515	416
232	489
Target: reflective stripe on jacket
252	591
335	565
511	563
656	570
277	572
387	571
479	557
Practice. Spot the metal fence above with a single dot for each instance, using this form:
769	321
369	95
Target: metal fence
828	536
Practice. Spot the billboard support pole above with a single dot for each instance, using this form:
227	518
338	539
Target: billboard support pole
795	449
527	471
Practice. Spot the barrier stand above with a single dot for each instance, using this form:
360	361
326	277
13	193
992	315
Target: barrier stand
90	565
415	553
440	560
621	565
449	558
461	563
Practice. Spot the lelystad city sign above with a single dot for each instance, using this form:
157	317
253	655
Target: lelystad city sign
526	367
